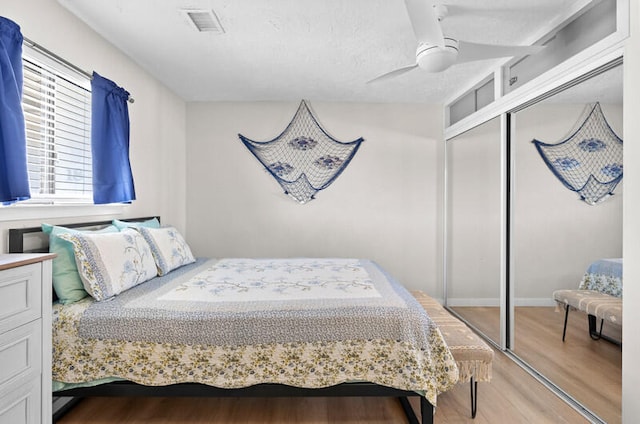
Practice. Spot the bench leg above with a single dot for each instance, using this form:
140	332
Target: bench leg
566	317
593	328
597	335
474	397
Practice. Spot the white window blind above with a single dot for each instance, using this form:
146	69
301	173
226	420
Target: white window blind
57	110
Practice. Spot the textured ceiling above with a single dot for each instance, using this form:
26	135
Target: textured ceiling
320	50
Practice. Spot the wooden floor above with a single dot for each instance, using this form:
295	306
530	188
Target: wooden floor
512	397
589	370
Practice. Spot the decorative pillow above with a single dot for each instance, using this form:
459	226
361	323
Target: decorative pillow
170	250
112	263
150	223
66	280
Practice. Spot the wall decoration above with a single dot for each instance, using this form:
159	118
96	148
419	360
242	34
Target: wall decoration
304	158
589	161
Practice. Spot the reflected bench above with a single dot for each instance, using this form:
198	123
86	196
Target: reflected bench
472	355
595	304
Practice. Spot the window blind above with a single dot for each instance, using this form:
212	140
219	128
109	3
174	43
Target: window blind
57	114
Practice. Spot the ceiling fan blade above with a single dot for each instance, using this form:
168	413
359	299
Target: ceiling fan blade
393	74
425	23
468	52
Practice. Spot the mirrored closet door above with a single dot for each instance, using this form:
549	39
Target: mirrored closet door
556	237
473	217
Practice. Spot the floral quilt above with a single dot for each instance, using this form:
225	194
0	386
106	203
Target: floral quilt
239	322
604	276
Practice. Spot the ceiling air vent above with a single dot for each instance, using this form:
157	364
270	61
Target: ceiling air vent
203	20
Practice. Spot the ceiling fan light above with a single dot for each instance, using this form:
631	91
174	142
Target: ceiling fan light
432	58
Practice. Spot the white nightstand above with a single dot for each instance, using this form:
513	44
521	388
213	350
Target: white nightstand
25	338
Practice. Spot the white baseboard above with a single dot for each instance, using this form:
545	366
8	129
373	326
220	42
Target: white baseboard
460	301
495	302
532	301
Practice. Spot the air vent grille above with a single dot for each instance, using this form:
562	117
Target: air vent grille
204	20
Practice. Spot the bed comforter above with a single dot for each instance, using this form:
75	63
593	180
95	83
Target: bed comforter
239	322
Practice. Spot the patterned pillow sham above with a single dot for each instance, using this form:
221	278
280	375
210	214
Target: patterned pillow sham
170	250
113	262
150	223
66	279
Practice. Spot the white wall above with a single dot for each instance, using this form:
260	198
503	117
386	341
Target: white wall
158	120
631	249
556	236
384	206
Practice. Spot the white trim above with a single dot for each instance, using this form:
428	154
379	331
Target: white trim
504	235
495	302
606	50
473	301
533	301
23	212
571	69
555	24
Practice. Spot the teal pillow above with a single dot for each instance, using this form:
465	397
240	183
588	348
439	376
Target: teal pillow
150	223
66	279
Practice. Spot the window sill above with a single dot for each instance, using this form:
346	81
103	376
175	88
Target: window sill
35	211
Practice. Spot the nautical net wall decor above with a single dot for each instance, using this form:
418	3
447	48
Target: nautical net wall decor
589	161
304	158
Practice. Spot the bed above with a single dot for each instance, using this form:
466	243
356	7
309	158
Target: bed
239	326
604	276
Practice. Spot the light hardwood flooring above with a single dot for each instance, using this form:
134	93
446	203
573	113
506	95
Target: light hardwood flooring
589	370
513	396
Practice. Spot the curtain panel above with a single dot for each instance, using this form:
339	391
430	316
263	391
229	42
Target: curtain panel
14	179
112	176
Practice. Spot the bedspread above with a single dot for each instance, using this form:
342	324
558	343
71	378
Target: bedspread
604	276
238	322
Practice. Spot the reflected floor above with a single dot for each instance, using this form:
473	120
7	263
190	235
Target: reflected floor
589	370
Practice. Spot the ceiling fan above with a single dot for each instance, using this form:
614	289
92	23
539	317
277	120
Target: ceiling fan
436	52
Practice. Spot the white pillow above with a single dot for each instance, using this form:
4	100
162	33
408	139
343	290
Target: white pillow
169	248
111	263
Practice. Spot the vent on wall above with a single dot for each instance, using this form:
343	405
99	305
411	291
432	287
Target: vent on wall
203	20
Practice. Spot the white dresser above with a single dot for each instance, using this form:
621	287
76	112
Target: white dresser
25	338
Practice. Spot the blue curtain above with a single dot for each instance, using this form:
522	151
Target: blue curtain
14	180
112	177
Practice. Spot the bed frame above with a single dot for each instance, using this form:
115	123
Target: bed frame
32	239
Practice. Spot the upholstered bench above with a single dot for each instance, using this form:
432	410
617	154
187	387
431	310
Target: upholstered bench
473	356
593	303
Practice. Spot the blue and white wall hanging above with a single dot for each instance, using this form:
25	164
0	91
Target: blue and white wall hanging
589	161
304	158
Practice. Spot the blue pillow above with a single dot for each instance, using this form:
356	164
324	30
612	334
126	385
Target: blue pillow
66	279
150	223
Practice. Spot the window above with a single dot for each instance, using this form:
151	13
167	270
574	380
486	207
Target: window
57	110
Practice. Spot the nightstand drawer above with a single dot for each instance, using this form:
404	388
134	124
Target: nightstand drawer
20	296
20	353
21	403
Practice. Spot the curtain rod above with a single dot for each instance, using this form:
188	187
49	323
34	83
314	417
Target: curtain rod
59	59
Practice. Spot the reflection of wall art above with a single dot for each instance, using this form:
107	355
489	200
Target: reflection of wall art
304	158
589	162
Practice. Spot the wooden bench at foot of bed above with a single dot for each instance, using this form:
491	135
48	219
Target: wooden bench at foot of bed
473	356
595	305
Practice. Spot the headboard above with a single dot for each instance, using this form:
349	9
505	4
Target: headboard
33	240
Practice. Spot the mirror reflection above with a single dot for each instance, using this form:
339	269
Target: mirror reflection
559	241
473	226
